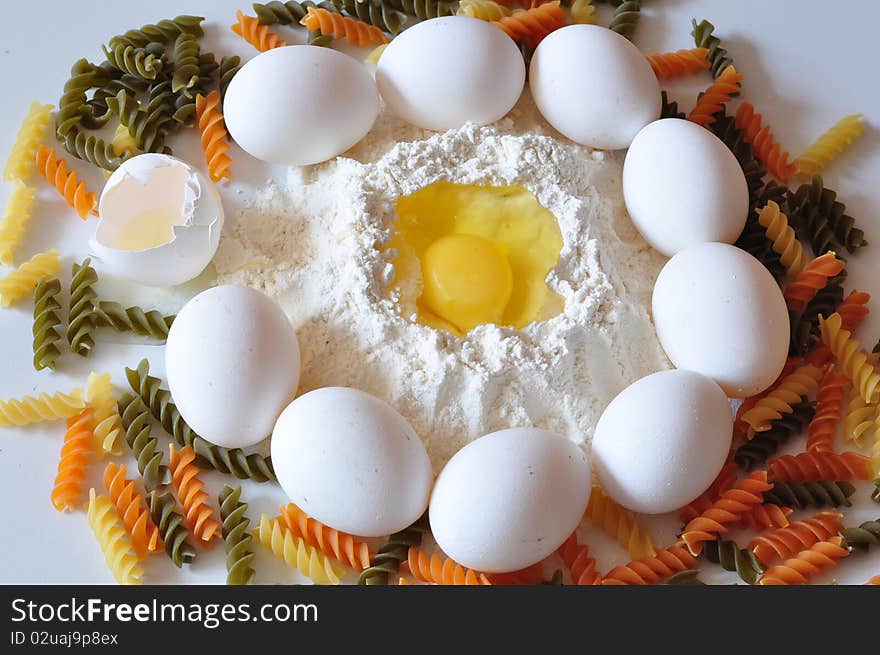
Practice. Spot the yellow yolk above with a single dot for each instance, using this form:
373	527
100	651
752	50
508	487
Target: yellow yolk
482	253
467	280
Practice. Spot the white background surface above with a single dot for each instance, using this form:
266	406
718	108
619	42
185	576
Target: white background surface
806	64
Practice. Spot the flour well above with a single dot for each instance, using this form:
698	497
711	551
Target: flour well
315	245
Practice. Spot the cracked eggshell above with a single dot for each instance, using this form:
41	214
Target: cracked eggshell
160	221
509	499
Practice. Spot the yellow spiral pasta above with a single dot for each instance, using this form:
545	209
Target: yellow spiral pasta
19	209
295	552
23	280
123	141
858	424
108	424
45	407
619	523
113	539
856	363
785	243
828	146
792	390
583	12
375	54
483	9
24	150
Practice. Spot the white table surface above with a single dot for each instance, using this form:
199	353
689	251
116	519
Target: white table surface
806	63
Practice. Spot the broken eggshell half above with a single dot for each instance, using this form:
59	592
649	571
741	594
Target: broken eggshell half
160	221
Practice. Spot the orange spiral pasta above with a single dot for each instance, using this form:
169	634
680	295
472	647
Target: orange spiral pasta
783	543
807	563
213	129
441	571
344	547
791	390
351	29
856	363
74	191
811	279
531	575
199	516
770	154
829	410
132	510
76	452
854	309
807	467
676	64
874	581
729	508
531	26
651	570
259	36
765	517
578	561
716	96
725	480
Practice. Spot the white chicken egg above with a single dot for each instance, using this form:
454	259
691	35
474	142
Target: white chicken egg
160	221
662	441
232	361
683	186
509	499
441	73
719	312
300	105
594	86
350	461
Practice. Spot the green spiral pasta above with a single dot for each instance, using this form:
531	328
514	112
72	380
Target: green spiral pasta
625	17
805	325
99	110
725	129
423	9
81	321
47	321
818	493
822	202
148	126
226	460
165	31
669	109
93	149
718	57
138	62
186	63
753	238
395	550
163	511
733	558
229	66
285	13
184	106
133	319
136	423
863	537
72	104
764	444
374	12
236	537
688	577
555	580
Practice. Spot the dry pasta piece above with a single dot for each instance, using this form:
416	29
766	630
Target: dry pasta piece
132	509
811	279
340	545
578	561
108	423
76	452
47	321
766	516
583	12
441	571
16	216
785	243
716	96
740	427
483	9
531	26
123	142
22	281
620	524
651	570
24	150
259	36
785	542
829	409
114	541
853	311
860	417
768	152
725	480
343	27
729	508
806	467
668	65
807	563
295	552
790	391
199	516
74	191
213	129
828	146
45	407
236	537
853	361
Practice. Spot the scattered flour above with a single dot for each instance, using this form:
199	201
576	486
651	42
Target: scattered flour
316	247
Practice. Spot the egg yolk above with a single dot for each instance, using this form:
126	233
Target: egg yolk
482	254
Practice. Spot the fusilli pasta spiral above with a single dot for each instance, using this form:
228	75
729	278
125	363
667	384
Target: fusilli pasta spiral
229	66
669	109
652	570
715	97
47	321
123	142
22	281
374	12
144	447
236	537
259	36
809	467
625	17
620	524
213	129
811	493
147	126
785	243
766	516
853	361
441	571
793	389
704	38
395	550
783	543
725	479
81	321
114	542
76	453
295	552
733	558
582	12
531	26
108	423
34	409
73	191
93	149
344	547
198	516
859	421
343	27
830	144
163	511
133	319
811	279
72	106
483	9
165	31
829	409
668	65
137	62
766	148
819	211
16	216
808	562
132	509
186	63
423	9
862	537
578	561
24	149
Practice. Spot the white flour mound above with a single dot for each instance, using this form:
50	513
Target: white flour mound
316	247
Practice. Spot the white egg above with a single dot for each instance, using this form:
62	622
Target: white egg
719	312
300	105
441	73
594	86
683	186
350	461
160	221
662	441
509	499
232	361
